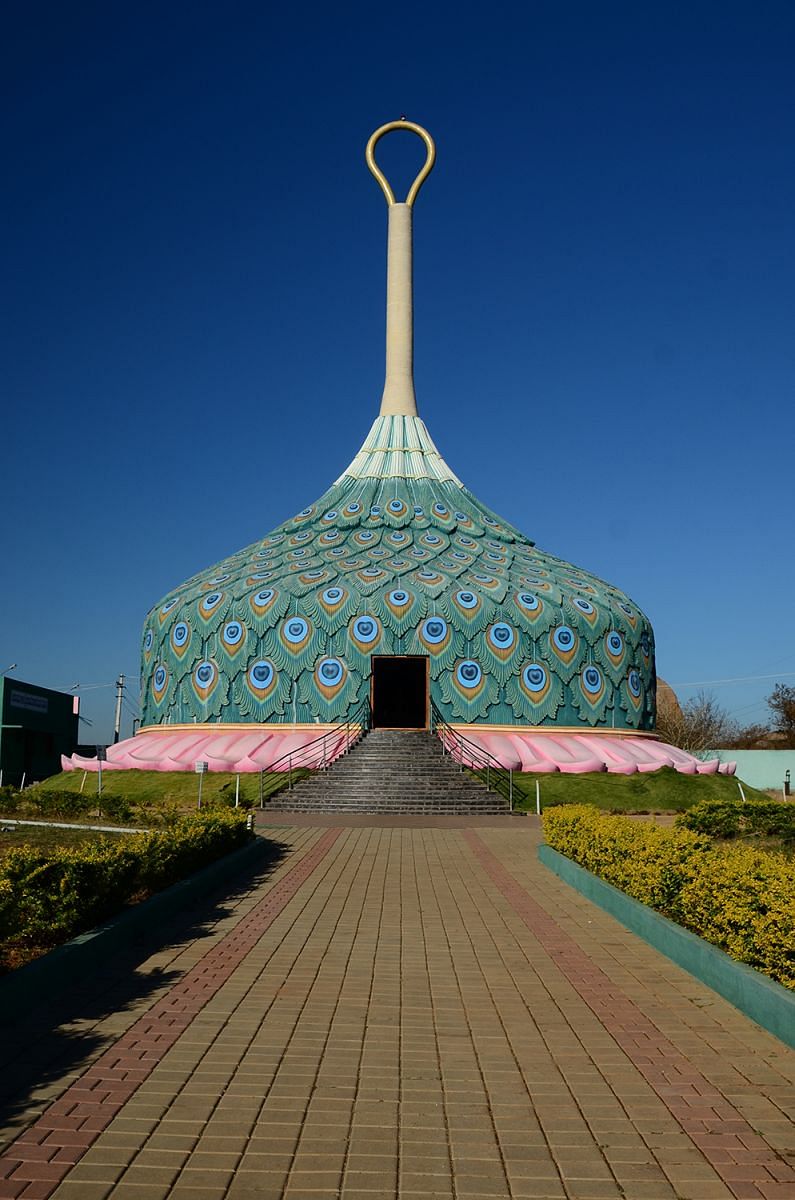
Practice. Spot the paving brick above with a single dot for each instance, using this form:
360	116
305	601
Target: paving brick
425	1004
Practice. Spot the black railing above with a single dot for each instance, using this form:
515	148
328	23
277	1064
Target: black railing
322	751
472	757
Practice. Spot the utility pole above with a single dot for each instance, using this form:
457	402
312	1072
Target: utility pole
117	721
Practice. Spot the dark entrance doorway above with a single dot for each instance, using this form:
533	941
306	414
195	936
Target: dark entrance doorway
400	691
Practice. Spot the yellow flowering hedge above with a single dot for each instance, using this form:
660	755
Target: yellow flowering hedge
48	896
738	898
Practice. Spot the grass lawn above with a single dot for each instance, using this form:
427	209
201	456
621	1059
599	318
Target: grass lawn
48	839
662	791
169	789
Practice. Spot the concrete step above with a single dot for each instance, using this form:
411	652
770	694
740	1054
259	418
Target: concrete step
392	772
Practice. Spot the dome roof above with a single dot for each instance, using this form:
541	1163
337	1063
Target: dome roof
398	558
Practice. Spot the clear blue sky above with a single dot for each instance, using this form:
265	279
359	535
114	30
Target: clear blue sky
192	328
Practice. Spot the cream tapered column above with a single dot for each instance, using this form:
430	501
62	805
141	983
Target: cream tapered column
398	394
398	398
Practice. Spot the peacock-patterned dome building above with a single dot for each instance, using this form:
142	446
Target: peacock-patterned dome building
400	587
398	558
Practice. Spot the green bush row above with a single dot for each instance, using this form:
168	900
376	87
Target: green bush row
47	897
739	898
728	819
62	804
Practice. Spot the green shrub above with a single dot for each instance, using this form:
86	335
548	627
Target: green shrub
10	800
116	808
735	818
736	897
48	897
61	804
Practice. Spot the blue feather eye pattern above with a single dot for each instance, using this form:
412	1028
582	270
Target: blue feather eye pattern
634	689
434	636
365	630
332	598
233	635
295	631
529	606
204	679
535	681
489	582
564	644
263	601
430	578
168	607
468	689
468	601
434	630
209	603
592	686
261	679
469	675
615	647
535	693
159	683
564	639
330	677
370	578
149	639
629	613
180	638
501	639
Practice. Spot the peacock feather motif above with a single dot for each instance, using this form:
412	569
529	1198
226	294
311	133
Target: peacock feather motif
398	557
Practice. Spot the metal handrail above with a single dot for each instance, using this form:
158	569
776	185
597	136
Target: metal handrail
319	750
489	769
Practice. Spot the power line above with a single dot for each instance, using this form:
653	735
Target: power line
736	679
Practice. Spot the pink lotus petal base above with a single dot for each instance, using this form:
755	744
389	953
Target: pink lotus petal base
259	749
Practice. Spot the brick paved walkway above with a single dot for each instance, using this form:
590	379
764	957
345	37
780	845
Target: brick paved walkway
407	1012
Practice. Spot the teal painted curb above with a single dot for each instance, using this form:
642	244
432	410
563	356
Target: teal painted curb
763	1000
23	989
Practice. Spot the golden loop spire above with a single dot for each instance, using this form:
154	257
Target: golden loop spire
425	171
398	398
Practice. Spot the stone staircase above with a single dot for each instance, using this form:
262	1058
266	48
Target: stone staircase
392	771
